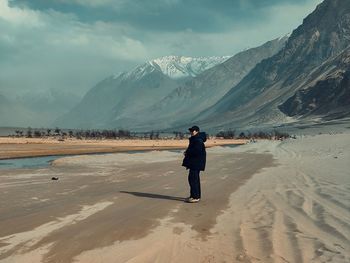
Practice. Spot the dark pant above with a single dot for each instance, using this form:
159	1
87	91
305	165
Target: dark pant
195	184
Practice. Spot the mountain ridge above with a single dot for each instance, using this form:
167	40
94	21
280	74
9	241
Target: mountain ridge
276	79
197	93
115	101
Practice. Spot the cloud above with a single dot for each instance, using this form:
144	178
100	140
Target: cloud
41	50
94	3
19	16
73	44
274	21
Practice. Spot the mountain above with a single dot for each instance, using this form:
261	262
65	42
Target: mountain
329	96
313	62
127	93
22	110
303	78
177	67
53	102
13	114
200	92
3	100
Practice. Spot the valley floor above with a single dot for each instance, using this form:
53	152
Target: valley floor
268	201
34	147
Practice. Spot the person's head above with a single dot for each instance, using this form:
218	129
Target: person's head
194	130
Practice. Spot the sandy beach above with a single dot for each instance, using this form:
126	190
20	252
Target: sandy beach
34	147
269	201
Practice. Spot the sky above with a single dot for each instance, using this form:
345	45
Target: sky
70	45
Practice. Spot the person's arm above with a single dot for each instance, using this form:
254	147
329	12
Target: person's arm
194	149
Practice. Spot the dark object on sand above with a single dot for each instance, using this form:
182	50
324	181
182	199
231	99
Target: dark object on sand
55	178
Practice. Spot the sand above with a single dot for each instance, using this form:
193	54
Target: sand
268	201
11	147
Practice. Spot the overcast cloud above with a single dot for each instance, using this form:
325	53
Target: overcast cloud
72	44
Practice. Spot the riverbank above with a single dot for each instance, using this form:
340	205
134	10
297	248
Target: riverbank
34	147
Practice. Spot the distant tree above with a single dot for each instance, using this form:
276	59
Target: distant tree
57	131
220	134
29	132
242	135
176	134
156	135
37	134
105	134
17	132
48	131
280	135
230	134
181	135
79	135
114	134
124	133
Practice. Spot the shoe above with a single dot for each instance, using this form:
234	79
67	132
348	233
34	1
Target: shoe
193	200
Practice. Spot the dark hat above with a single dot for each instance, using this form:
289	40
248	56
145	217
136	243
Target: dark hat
194	128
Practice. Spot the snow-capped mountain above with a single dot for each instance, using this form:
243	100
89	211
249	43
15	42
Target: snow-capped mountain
200	92
117	95
160	88
177	67
127	93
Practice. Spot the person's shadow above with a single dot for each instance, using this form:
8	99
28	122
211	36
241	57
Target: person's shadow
156	196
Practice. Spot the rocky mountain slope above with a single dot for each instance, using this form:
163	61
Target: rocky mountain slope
130	92
145	97
127	93
311	63
201	92
329	97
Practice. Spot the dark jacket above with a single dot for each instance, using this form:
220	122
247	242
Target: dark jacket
195	155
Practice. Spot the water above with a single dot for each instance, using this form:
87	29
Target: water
41	162
231	145
33	162
44	161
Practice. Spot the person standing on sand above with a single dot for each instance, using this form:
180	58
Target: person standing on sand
195	159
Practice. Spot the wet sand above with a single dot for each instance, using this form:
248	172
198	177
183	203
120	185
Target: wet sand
262	202
33	147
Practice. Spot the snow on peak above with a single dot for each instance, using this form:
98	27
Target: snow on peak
286	36
180	67
175	67
117	75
